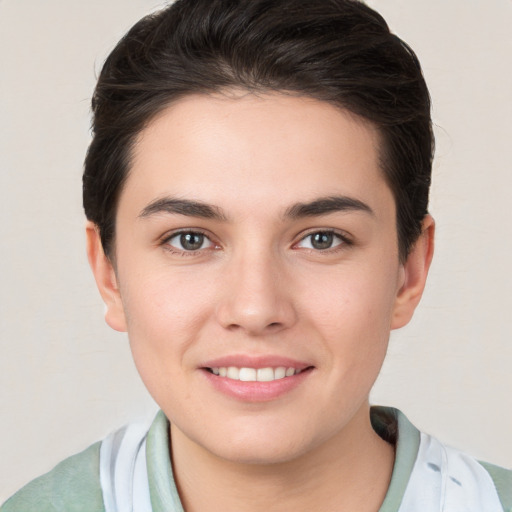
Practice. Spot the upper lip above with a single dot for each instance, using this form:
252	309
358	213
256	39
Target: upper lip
251	361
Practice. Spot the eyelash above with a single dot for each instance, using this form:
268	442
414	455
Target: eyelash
165	242
344	242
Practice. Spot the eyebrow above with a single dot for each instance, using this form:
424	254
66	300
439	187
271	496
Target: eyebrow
326	205
183	207
192	208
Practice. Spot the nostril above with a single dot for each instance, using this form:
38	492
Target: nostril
254	315
274	326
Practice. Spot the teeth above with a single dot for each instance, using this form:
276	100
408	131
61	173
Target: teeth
247	374
233	373
265	374
253	374
280	373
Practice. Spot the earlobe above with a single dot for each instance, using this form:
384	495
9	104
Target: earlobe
415	271
106	279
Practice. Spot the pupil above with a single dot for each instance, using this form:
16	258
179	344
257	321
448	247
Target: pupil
192	241
322	240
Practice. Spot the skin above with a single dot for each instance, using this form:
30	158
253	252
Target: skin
258	287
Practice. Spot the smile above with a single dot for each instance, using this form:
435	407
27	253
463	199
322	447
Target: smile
246	374
256	379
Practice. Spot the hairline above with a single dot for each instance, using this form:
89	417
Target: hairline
236	92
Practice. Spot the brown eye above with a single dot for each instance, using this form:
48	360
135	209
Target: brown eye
189	241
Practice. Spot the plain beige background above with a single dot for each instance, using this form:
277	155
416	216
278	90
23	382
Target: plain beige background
66	380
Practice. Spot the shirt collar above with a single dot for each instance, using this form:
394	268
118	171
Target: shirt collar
389	423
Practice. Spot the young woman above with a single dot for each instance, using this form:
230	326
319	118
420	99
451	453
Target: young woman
256	193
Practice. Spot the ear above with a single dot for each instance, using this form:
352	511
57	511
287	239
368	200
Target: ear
106	279
414	275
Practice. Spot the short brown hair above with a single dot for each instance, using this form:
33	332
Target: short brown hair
338	51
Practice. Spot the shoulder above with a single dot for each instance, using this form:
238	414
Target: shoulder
72	486
502	479
459	480
431	476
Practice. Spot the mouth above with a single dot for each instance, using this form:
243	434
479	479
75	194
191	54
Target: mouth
248	374
256	378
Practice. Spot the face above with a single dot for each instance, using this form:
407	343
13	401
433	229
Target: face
257	271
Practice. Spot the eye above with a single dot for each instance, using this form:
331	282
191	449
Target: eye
321	240
189	241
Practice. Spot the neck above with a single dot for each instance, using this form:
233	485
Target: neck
350	471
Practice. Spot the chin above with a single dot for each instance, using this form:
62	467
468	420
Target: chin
259	444
261	454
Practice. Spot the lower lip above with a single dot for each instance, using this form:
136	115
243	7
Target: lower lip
254	391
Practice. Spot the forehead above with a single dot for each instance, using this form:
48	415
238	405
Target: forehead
247	149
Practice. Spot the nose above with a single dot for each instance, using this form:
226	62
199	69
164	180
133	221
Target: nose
257	297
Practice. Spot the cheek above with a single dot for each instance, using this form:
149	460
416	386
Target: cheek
161	298
164	312
353	312
353	299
